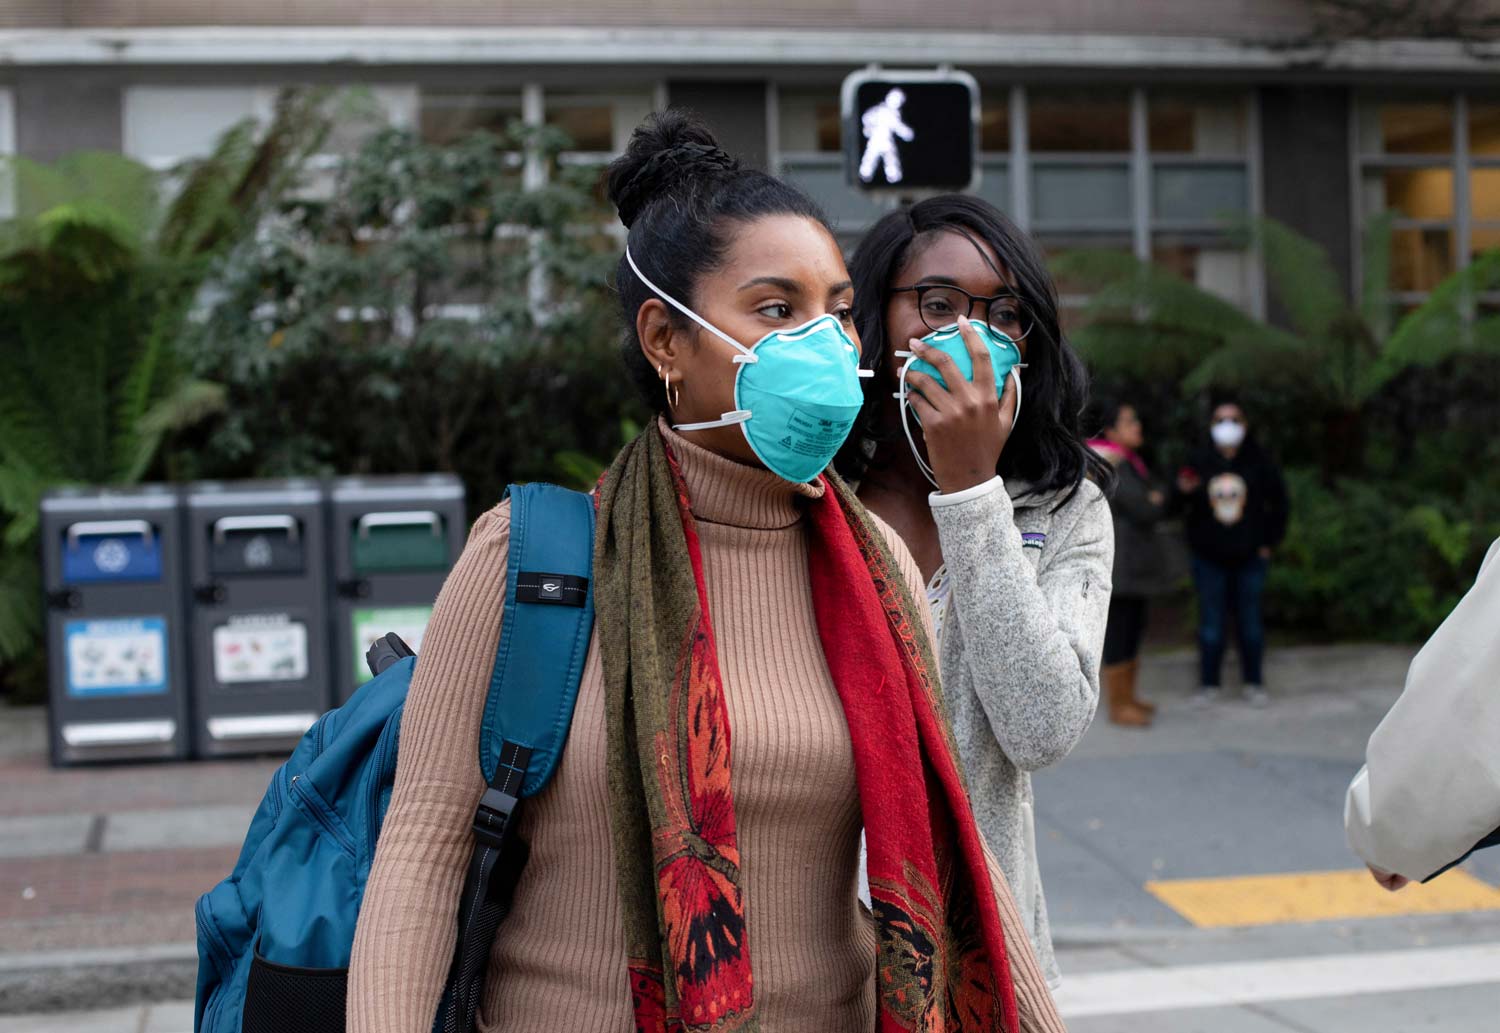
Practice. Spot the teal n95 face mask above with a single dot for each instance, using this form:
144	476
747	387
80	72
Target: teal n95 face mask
796	392
1005	357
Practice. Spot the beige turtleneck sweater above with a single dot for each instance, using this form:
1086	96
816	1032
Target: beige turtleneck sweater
559	962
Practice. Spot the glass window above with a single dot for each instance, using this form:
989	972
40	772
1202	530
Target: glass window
1410	193
1086	196
590	127
1198	193
809	120
1079	120
166	124
994	183
1190	124
1420	258
1483	238
446	116
994	120
1484	193
1409	128
1484	129
823	179
1216	269
597	123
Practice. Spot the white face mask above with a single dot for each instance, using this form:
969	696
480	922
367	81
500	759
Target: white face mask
1228	433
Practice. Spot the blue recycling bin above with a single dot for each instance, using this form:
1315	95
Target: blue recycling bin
116	648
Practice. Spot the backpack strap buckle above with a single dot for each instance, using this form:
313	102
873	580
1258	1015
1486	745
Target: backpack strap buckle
492	819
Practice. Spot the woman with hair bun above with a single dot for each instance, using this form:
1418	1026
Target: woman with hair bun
994	491
759	688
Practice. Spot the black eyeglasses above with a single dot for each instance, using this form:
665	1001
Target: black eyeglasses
940	305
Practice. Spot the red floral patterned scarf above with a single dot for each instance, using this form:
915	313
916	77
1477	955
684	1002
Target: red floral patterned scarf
941	965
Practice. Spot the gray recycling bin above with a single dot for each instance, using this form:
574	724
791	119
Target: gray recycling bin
394	539
116	626
257	570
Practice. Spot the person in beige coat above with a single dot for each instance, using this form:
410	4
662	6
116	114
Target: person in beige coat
1430	788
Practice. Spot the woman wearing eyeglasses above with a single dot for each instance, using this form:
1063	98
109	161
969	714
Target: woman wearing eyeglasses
969	445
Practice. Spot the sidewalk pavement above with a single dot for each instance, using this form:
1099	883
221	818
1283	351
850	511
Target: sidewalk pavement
100	867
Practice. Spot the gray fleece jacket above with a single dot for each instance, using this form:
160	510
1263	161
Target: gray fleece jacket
1020	650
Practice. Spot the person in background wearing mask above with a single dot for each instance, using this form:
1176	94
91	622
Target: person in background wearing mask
1236	517
759	686
1429	792
1137	506
997	496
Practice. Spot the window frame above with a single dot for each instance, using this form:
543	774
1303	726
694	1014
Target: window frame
1460	162
7	152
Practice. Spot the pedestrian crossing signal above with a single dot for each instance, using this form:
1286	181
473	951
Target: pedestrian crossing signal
906	132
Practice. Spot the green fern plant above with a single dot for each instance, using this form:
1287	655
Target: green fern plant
99	272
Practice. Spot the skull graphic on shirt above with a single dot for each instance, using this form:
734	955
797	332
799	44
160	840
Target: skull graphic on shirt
1227	493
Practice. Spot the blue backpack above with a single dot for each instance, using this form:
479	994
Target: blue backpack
274	938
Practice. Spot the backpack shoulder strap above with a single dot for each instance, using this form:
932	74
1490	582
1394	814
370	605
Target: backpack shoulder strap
545	629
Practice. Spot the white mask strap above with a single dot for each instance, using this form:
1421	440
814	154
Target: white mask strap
904	396
745	354
729	419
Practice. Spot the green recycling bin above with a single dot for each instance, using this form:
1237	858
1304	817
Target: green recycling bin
394	540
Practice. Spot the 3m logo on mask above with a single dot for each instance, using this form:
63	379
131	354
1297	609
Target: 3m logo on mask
556	589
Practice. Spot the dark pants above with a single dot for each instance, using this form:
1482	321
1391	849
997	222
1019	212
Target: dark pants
1221	588
1126	628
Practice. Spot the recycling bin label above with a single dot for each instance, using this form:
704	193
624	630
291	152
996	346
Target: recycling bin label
372	623
260	648
121	657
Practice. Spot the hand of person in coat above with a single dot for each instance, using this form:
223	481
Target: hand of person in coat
965	425
1389	880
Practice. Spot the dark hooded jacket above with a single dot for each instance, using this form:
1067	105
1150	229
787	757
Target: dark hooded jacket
1235	533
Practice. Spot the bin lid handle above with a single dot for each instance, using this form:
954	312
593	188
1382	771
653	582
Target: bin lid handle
100	528
270	522
408	518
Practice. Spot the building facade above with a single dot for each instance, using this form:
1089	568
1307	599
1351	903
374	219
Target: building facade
1138	126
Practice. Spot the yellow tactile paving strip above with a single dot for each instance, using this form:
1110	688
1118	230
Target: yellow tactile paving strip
1316	897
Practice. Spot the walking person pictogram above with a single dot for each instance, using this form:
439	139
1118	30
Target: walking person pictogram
882	124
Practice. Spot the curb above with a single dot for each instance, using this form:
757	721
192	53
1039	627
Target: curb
80	980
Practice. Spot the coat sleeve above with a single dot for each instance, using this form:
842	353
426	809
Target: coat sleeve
1032	641
1430	788
403	944
1132	500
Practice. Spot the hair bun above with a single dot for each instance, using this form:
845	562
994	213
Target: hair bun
669	149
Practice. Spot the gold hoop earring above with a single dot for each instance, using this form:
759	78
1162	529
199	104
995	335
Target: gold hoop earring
674	394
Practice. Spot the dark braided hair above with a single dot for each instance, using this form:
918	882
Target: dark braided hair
682	199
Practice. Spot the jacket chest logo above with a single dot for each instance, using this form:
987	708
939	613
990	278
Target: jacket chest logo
1033	540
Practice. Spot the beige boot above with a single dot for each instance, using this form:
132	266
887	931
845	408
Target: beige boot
1117	685
1144	704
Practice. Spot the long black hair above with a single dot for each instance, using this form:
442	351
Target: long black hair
1046	449
681	197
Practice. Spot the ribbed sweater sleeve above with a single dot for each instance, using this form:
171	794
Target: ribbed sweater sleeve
407	924
1033	997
